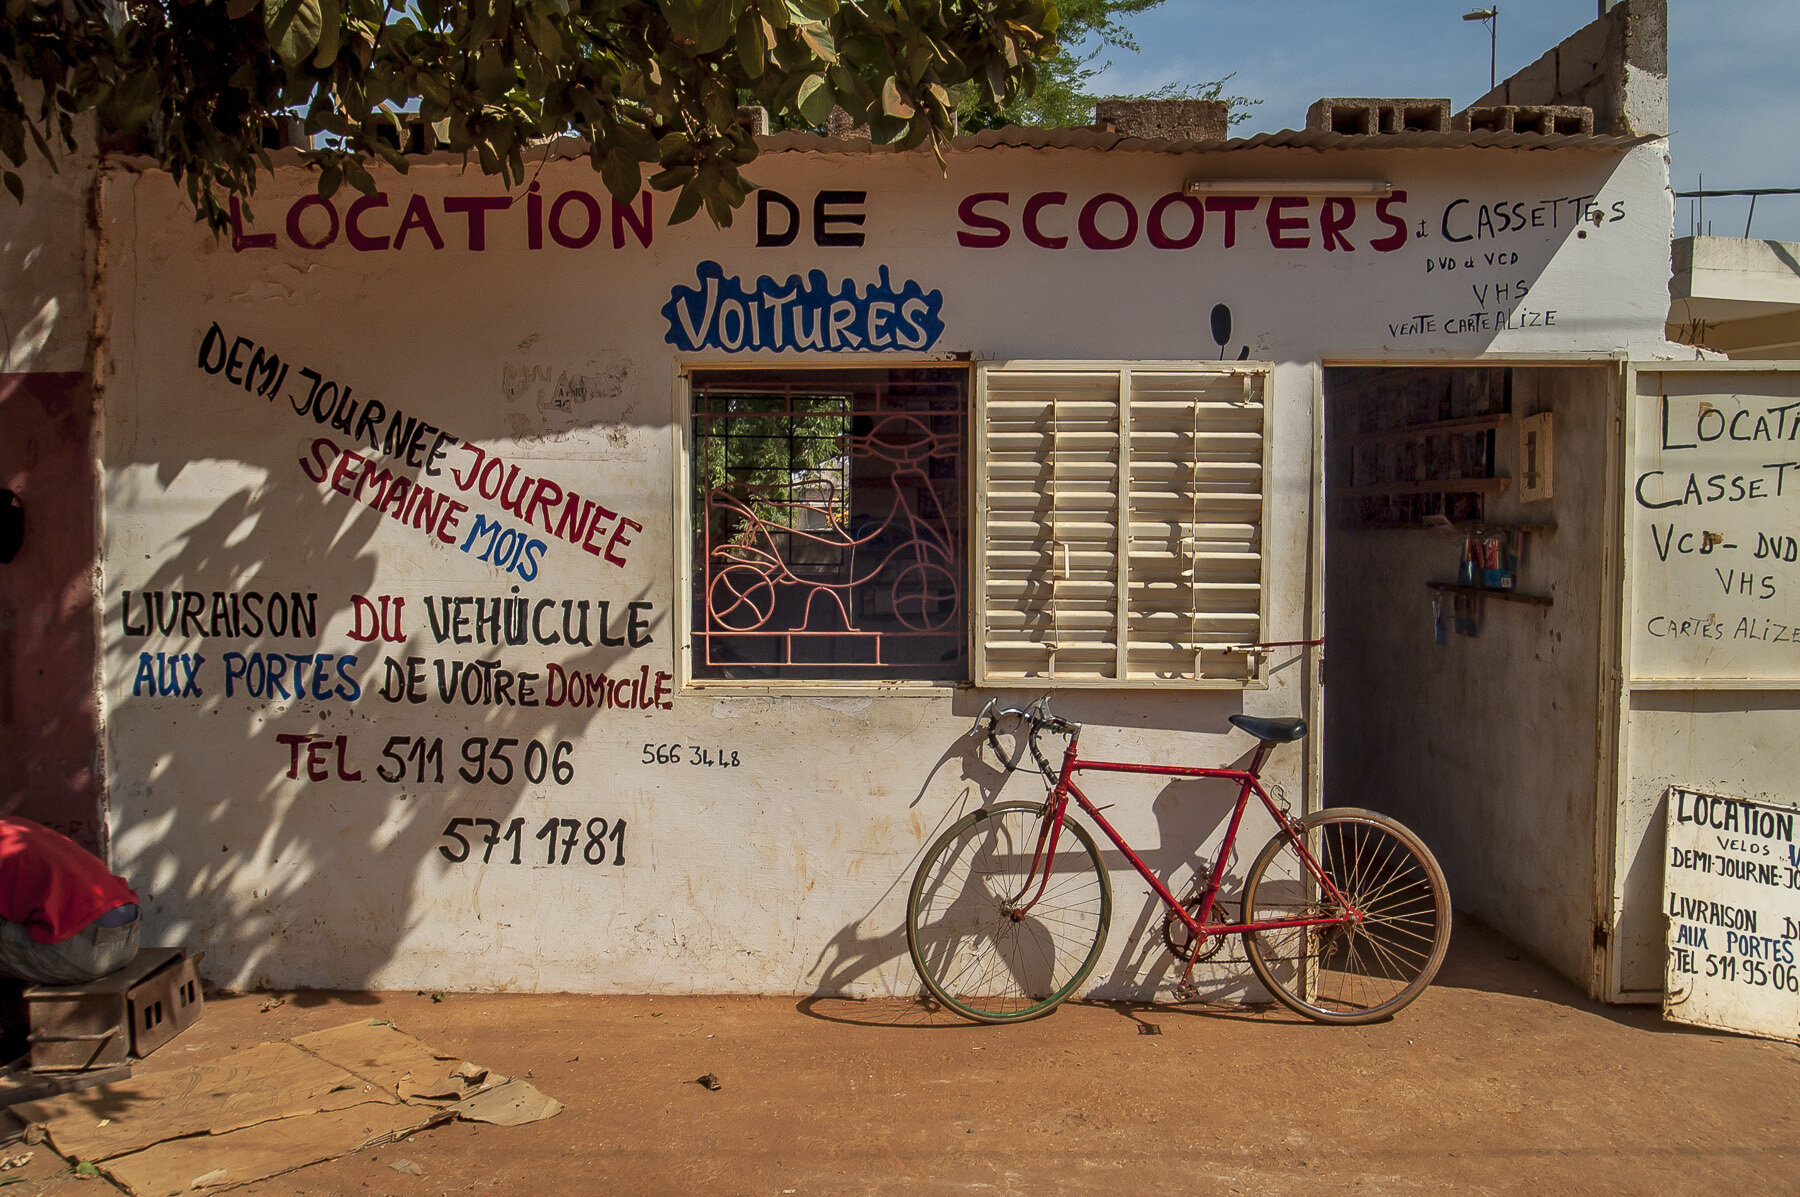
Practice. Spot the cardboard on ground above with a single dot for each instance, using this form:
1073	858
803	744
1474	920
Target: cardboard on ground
275	1107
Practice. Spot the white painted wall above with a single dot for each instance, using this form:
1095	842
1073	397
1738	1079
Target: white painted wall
1728	742
787	873
46	244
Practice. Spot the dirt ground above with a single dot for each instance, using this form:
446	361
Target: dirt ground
1500	1079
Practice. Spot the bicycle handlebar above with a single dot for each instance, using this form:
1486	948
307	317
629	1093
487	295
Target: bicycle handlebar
1037	719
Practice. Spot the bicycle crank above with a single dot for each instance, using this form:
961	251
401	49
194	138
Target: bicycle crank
1181	942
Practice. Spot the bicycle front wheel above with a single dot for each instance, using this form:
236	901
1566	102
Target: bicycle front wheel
990	937
1360	970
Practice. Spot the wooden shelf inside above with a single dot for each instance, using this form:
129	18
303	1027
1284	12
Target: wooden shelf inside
1477	527
1510	596
1414	432
1471	527
1425	486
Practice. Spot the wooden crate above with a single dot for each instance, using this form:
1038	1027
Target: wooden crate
125	1015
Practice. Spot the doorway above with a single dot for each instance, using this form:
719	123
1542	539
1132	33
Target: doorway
1468	614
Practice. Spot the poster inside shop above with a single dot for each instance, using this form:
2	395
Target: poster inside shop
1731	884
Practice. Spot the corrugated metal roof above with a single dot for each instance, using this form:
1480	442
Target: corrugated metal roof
1015	137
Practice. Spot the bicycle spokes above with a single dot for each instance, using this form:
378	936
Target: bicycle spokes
1345	915
982	951
1361	958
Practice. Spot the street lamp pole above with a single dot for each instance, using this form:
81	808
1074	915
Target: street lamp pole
1492	17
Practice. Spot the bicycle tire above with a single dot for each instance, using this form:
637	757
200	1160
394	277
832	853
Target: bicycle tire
971	953
1364	971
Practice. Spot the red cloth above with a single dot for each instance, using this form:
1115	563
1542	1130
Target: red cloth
51	884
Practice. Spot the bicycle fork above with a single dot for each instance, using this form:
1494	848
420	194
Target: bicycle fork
1038	875
1056	806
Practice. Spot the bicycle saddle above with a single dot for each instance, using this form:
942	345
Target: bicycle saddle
1284	730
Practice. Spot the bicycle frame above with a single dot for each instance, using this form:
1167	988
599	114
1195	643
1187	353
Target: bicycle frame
1056	809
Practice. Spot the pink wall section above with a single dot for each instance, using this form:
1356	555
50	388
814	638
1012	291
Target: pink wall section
49	725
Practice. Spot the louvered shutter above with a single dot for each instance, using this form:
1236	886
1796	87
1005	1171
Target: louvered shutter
1120	524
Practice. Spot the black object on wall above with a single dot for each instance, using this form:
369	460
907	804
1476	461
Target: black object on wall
12	525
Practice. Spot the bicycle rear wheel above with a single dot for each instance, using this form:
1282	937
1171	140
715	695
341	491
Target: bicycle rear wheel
1356	971
972	951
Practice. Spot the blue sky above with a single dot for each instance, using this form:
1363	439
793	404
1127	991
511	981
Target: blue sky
1734	67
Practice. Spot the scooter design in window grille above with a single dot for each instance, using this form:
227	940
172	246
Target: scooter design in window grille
906	555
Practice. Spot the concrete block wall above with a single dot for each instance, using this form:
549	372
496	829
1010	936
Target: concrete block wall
842	126
1363	115
1618	66
1169	120
1563	119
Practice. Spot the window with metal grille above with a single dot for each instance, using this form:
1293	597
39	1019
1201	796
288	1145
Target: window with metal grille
1120	524
828	524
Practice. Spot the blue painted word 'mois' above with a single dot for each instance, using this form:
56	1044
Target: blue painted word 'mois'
722	313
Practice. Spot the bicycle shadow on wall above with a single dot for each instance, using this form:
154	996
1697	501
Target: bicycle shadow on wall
1190	816
857	954
1193	813
1186	812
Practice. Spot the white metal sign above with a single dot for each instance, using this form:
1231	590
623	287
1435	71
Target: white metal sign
1714	498
1731	884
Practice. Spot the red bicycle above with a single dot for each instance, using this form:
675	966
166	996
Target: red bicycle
1345	914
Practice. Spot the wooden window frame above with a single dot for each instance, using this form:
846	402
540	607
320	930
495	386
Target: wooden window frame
689	679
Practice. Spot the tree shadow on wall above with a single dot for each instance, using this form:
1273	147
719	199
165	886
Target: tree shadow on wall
285	810
48	717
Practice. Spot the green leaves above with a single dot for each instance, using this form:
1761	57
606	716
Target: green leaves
891	101
819	40
494	75
814	99
331	32
654	85
294	27
752	44
12	138
704	26
621	173
128	106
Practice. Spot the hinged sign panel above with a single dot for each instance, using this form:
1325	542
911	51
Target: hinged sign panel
1731	885
1715	525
